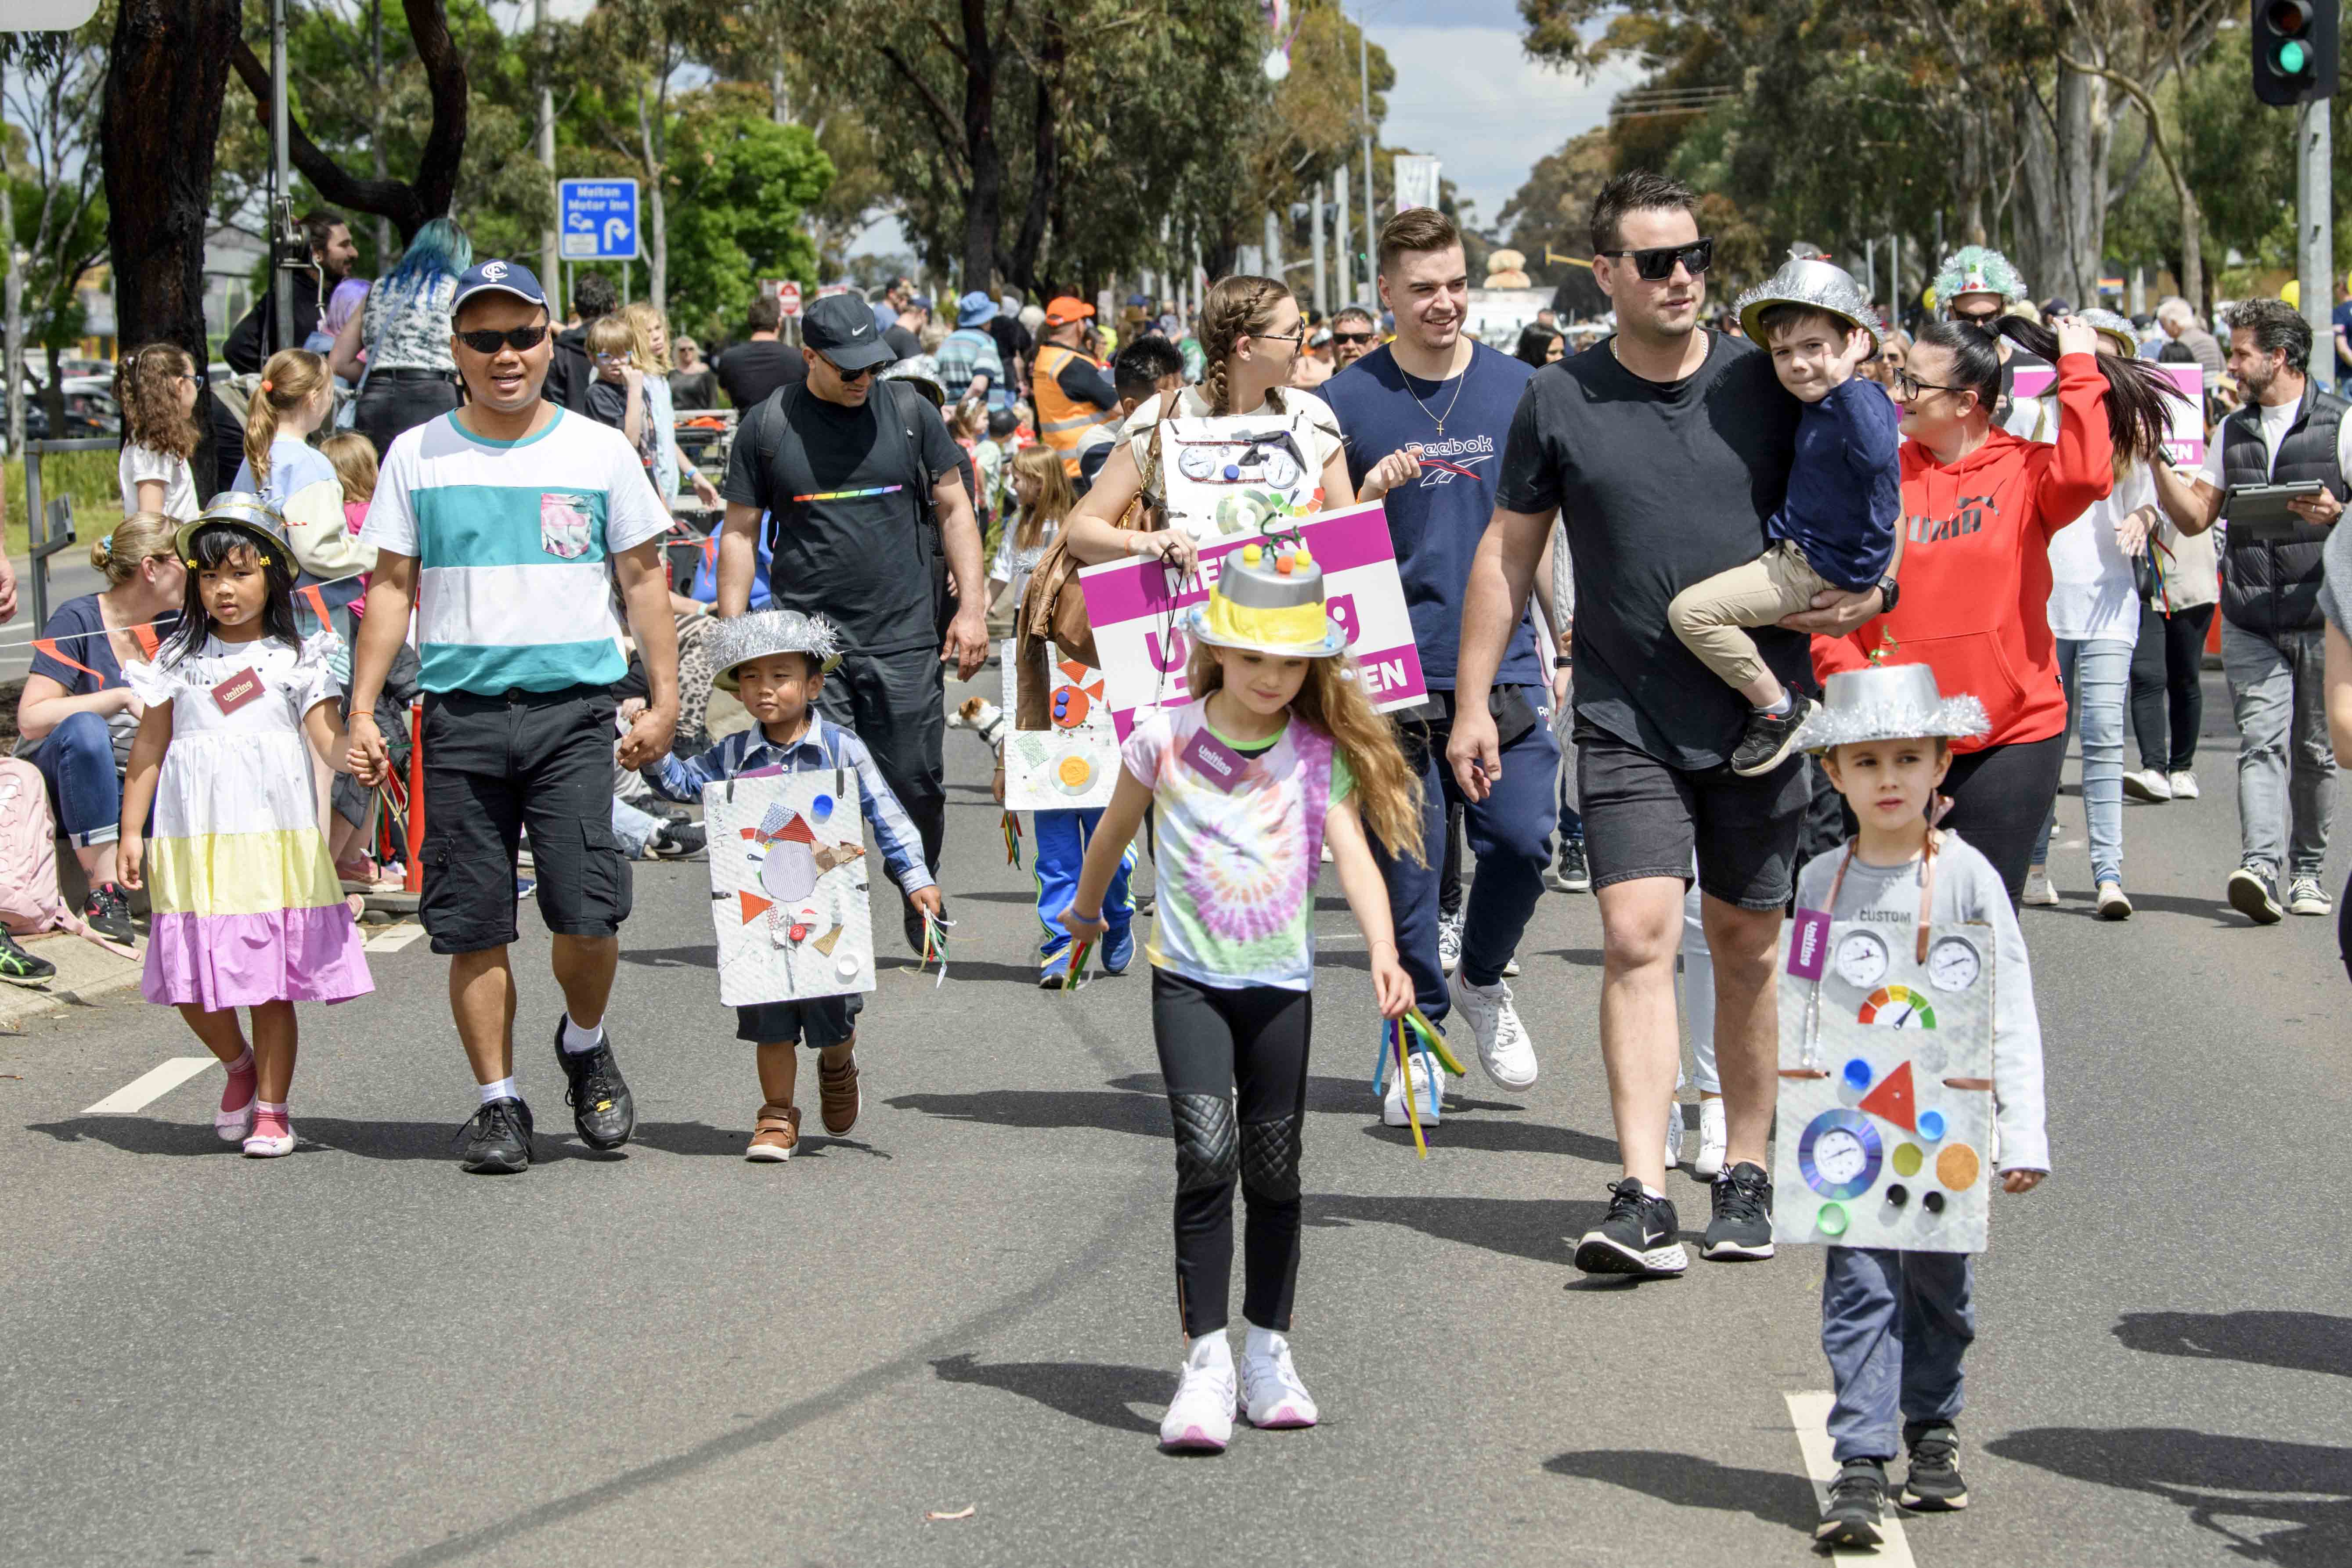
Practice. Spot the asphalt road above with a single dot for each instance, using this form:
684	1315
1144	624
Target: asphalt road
360	1355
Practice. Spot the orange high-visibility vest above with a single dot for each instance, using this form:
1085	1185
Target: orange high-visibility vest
1061	418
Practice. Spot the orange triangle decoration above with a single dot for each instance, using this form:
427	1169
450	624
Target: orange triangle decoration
754	906
1892	1102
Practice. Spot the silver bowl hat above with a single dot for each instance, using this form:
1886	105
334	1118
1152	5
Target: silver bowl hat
1282	589
1977	270
1816	284
2125	336
739	640
1888	702
244	511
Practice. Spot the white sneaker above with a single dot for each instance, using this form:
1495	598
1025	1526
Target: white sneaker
1713	1139
1202	1413
1428	1091
1674	1134
2038	888
2305	897
1511	967
2113	905
2183	784
1449	942
1271	1390
2149	784
1504	1050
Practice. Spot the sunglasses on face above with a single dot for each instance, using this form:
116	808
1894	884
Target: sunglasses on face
850	374
1657	263
1356	339
1984	319
489	340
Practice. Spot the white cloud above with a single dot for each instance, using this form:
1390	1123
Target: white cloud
1471	96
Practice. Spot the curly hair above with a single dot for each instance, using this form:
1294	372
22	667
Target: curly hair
1332	702
1237	307
147	386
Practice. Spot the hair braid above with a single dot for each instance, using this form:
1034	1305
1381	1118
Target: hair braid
1236	307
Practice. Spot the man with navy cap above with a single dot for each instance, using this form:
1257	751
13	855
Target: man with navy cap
865	488
505	524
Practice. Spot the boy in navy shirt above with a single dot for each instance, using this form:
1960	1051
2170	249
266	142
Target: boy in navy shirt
1836	527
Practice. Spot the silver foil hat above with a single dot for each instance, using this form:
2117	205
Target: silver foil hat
1888	702
739	638
241	509
2115	327
1817	284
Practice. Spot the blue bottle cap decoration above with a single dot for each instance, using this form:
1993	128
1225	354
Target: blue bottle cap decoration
1931	1125
821	807
1232	471
1857	1073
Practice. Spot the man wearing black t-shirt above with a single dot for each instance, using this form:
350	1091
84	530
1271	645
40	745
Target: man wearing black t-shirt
854	469
752	369
1663	449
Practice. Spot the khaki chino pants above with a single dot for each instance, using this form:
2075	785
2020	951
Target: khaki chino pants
1709	616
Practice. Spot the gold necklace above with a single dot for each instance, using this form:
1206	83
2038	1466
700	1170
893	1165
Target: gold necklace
1460	381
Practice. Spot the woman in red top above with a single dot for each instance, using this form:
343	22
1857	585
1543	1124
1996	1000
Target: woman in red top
1980	506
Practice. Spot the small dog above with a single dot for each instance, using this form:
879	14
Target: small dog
980	715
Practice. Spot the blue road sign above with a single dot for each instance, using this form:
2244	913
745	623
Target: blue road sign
598	220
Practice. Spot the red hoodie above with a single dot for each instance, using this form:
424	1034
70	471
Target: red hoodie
1975	572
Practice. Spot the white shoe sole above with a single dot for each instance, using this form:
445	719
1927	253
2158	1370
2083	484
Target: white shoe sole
268	1147
2115	906
2309	906
2140	789
1195	1440
1286	1417
2183	790
1597	1254
1485	1065
766	1155
1736	1252
2252	900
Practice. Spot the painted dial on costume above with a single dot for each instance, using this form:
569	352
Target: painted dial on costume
1839	1154
1197	463
1898	1007
1282	469
1954	964
1861	958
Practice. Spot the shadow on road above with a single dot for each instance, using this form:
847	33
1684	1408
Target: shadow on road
2300	1341
2302	1487
1506	1138
1087	1390
1534	1229
427	1141
1036	1108
1686	1481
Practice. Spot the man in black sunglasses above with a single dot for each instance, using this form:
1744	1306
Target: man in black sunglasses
1664	451
1354	334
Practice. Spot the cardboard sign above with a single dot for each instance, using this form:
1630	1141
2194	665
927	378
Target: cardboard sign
788	887
1073	765
238	690
1885	1115
1136	605
1233	476
2184	438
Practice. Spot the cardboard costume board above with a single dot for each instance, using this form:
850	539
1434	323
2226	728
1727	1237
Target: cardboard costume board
1227	477
1074	765
1136	607
788	887
2184	438
1886	1118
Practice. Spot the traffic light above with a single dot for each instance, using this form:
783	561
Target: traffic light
2295	50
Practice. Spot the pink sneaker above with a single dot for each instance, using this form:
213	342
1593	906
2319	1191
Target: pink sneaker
234	1120
273	1134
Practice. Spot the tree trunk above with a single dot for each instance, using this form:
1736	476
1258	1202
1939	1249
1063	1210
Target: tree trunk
1045	193
375	127
166	74
652	133
11	324
984	206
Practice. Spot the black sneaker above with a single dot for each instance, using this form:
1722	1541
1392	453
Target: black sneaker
1934	1483
1770	737
1857	1506
1637	1237
107	912
497	1139
1573	874
1742	1225
678	840
600	1105
2251	895
19	967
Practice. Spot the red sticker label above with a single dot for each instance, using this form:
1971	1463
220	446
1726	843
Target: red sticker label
237	690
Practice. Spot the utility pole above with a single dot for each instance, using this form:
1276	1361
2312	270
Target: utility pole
281	274
1364	80
549	260
2315	234
1345	269
12	300
1313	227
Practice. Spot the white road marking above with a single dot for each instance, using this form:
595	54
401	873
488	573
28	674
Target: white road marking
392	939
149	1086
1811	1415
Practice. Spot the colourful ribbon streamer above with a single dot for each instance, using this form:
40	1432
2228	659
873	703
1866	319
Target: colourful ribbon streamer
1434	1042
1411	1112
1012	838
1077	966
935	945
1449	468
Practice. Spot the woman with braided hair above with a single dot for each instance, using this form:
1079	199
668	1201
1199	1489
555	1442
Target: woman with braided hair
1251	330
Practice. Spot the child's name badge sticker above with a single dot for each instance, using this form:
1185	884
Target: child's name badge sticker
1215	760
237	690
1809	944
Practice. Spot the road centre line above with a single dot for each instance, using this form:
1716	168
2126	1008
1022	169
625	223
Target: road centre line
149	1086
1809	1413
392	939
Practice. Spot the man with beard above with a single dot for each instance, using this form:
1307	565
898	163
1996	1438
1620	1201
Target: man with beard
1354	334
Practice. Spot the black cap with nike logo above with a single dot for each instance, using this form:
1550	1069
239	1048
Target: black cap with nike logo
841	327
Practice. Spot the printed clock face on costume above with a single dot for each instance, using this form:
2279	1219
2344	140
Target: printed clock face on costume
1954	964
1839	1154
1898	1007
1861	958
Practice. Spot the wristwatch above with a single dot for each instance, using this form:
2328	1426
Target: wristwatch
1889	590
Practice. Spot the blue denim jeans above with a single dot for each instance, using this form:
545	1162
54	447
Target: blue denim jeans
1895	1326
2098	676
1061	839
633	828
77	759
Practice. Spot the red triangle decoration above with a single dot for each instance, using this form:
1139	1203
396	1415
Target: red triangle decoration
1892	1099
754	906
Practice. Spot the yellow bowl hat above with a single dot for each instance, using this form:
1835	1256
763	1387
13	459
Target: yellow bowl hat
1268	598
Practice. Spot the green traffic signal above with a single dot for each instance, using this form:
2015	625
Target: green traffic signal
2294	57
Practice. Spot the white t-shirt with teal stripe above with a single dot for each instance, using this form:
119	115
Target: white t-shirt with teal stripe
512	541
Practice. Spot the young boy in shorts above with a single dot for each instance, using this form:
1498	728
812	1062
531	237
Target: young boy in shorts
1835	529
1895	1324
775	663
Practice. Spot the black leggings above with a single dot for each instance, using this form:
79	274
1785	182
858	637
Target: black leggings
1214	1042
2001	796
2167	689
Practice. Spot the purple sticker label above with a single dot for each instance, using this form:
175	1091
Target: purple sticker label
1215	760
1809	944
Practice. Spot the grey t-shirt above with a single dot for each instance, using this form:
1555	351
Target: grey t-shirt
2335	580
1968	891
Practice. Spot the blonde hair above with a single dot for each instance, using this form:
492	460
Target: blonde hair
613	335
290	379
1332	702
147	386
642	319
353	456
1237	307
141	536
1055	496
933	334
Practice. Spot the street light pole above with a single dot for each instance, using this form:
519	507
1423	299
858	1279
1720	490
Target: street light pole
550	262
1364	82
281	278
2315	234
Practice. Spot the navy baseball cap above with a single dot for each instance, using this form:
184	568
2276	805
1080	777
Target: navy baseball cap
841	327
498	277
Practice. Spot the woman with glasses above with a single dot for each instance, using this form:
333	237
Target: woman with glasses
404	331
1980	506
